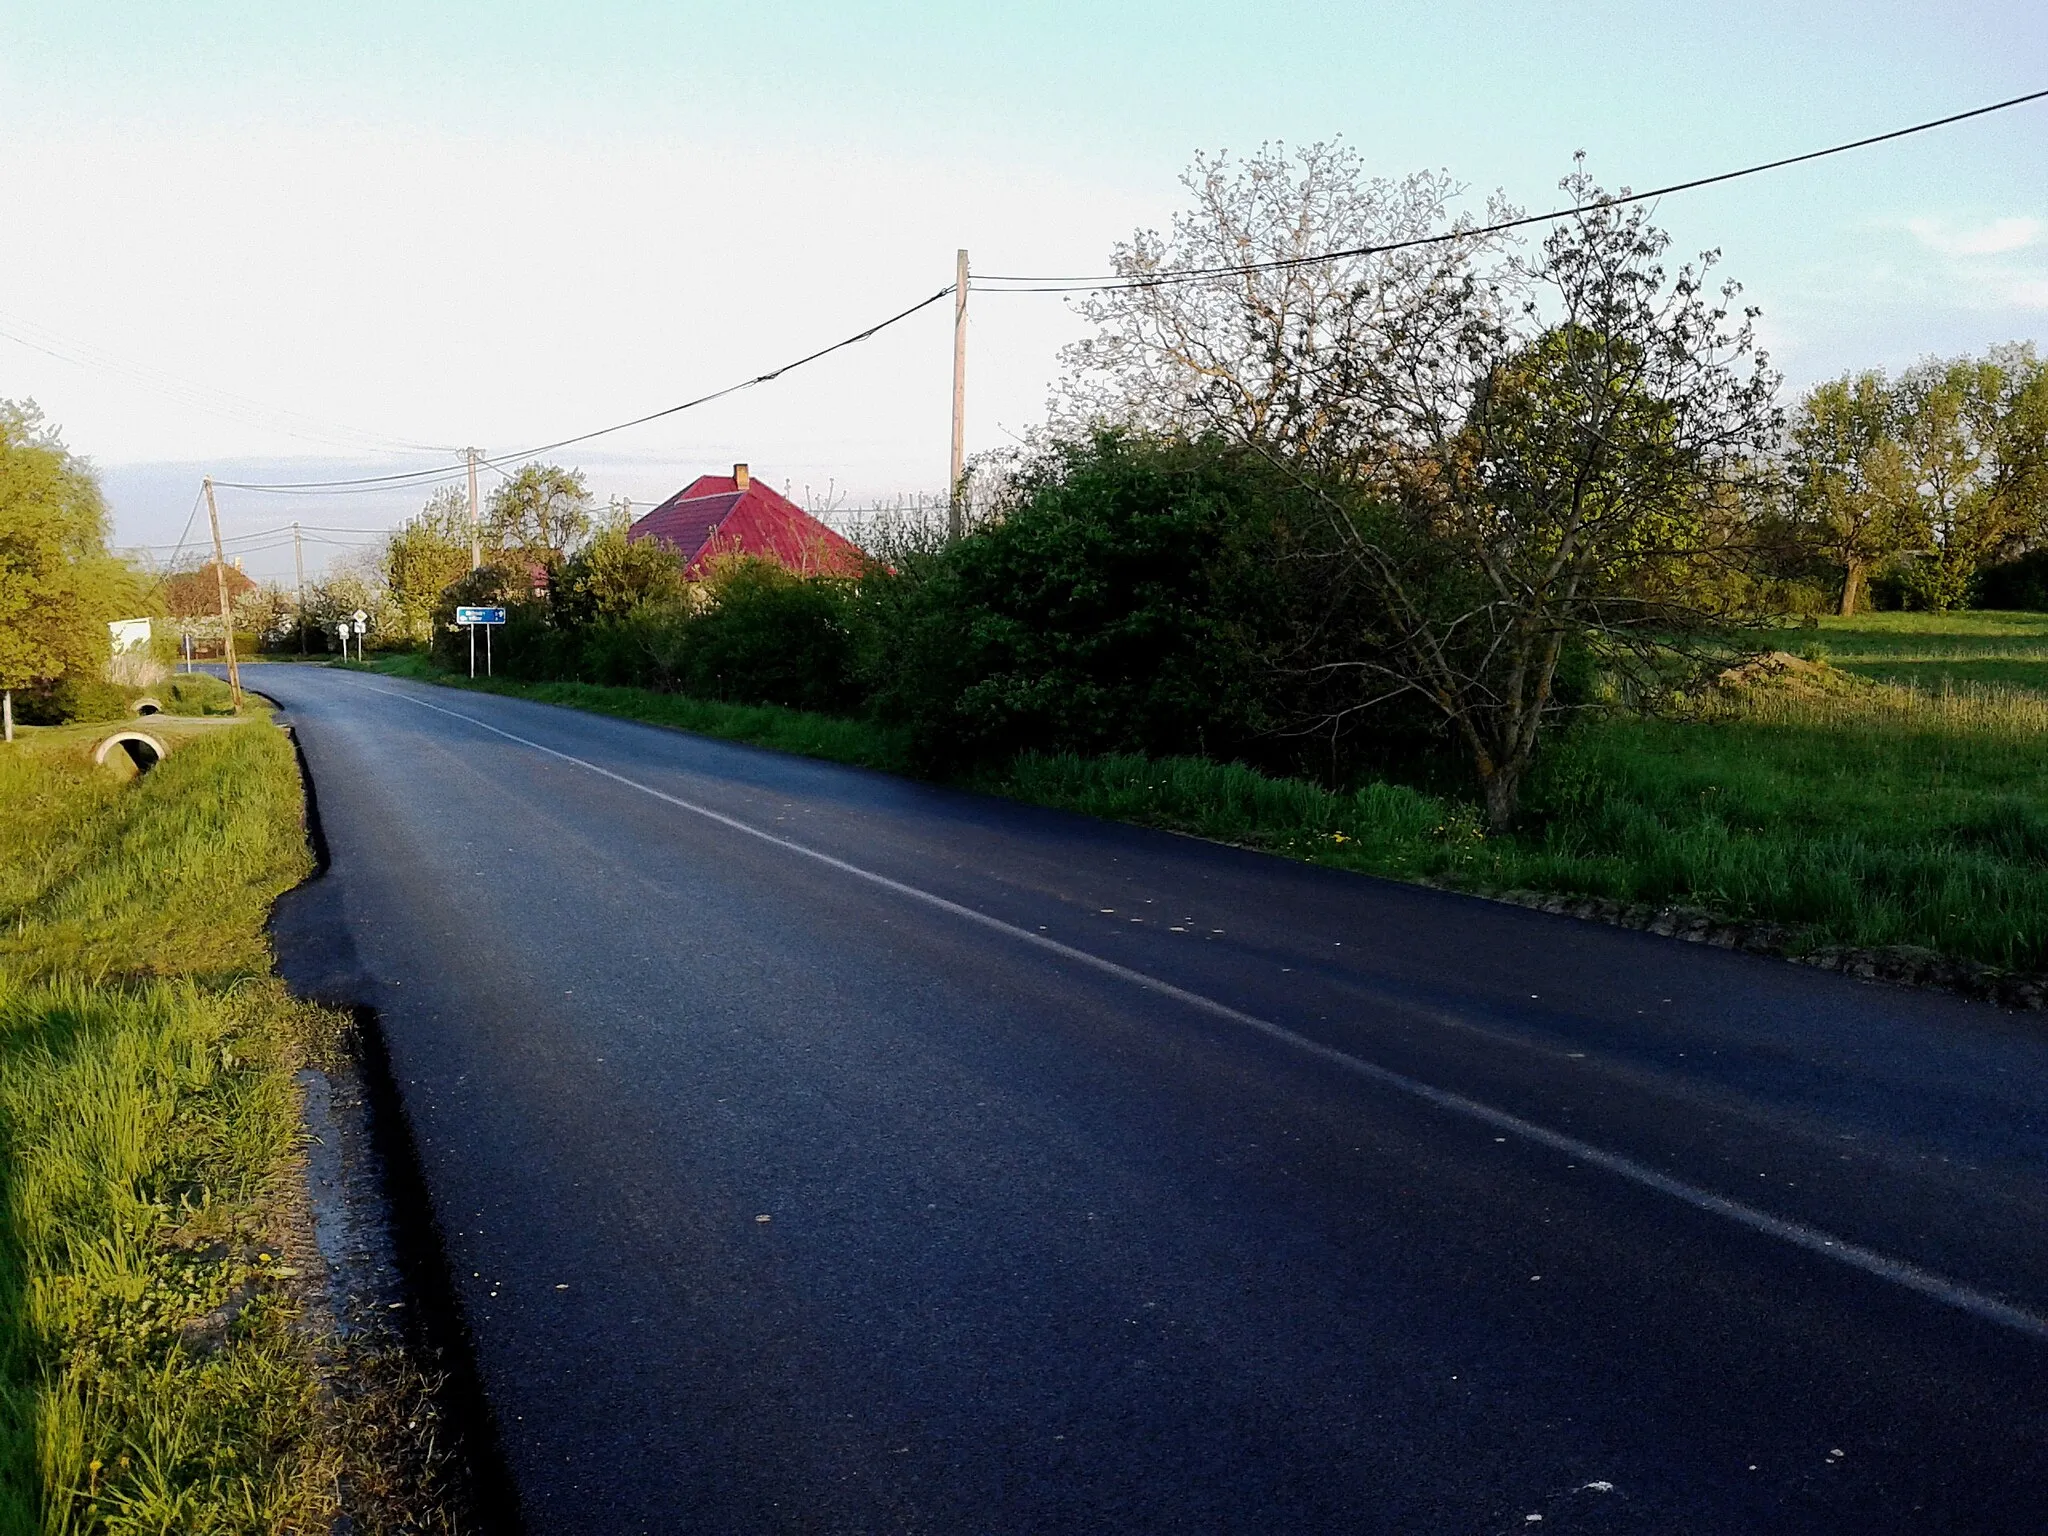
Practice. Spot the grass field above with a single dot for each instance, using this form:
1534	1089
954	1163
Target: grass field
1933	650
152	1372
1855	812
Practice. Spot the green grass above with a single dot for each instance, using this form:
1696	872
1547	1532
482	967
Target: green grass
1870	814
152	1375
1933	650
193	693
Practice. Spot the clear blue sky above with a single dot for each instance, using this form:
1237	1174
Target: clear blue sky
502	223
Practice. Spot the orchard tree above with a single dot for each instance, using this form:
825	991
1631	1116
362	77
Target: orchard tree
1544	483
1852	484
1270	346
58	585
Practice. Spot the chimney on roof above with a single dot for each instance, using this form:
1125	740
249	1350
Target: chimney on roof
740	478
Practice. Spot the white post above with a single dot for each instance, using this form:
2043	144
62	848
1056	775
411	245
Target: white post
472	648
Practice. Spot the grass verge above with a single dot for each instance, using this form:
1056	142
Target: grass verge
1849	812
154	1371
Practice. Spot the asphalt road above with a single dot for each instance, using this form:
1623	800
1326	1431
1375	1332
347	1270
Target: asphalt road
818	1151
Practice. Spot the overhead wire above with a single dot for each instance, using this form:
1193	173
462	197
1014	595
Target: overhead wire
1169	276
1028	283
417	478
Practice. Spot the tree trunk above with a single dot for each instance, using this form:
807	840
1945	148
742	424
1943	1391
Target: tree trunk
1502	789
7	709
1852	587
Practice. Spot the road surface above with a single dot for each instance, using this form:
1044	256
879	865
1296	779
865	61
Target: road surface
820	1151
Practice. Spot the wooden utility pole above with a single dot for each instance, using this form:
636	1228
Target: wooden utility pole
956	511
227	612
299	565
476	527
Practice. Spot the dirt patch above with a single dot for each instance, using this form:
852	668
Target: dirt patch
1781	668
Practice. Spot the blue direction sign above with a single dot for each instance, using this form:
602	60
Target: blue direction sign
479	615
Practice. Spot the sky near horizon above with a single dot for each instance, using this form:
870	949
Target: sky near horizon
276	241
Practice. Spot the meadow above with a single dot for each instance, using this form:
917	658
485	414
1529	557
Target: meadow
1932	650
155	1374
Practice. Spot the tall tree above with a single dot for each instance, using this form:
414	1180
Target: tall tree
58	585
424	554
542	513
1976	436
1271	347
1852	484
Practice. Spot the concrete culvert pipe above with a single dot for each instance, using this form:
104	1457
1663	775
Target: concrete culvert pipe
143	750
146	707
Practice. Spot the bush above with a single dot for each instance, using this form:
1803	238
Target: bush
69	699
767	636
1128	602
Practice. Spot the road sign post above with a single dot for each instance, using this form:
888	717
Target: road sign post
469	619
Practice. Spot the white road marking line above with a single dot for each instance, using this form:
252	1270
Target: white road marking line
1911	1276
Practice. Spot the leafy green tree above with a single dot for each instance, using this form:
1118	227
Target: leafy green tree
542	513
490	586
423	555
1545	485
58	585
611	575
1853	489
1976	439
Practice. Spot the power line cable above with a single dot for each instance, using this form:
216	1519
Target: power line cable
420	478
1100	283
730	389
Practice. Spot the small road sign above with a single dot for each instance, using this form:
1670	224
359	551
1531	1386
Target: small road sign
359	616
479	615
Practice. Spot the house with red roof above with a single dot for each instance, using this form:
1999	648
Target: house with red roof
717	515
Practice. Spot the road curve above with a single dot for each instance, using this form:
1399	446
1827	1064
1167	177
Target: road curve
820	1151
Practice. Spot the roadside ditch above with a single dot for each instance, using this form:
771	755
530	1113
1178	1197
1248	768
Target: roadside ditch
420	1447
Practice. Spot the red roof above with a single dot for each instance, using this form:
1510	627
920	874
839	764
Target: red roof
712	516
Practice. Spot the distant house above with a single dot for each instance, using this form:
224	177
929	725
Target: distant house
196	594
717	515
